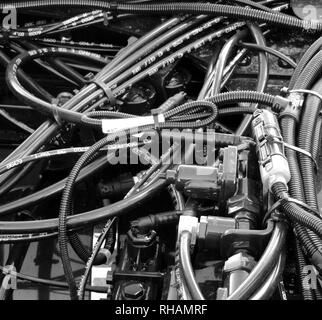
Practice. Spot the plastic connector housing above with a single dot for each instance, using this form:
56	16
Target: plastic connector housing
293	108
272	161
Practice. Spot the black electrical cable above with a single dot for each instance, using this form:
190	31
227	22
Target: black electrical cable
262	73
271	51
221	99
89	88
58	153
26	97
28	82
17	123
222	59
53	283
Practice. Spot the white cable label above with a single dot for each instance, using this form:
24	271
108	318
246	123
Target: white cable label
114	125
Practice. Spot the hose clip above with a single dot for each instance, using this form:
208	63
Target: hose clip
294	105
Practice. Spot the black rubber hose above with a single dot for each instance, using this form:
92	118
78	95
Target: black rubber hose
29	99
234	12
51	191
263	73
59	65
86	219
155	221
223	57
26	80
83	253
271	51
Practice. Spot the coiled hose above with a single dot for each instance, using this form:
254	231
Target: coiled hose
180	110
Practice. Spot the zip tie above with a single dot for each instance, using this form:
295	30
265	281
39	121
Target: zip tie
293	108
107	91
314	93
302	151
105	17
113	8
157	118
287	198
56	111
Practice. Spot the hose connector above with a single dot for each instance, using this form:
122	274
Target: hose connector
293	108
190	224
270	149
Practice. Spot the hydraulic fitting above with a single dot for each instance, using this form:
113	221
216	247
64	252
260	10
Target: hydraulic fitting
236	270
190	224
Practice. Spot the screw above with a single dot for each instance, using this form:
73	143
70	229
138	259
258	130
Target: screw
133	291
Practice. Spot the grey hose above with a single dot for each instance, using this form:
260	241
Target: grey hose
266	291
186	265
264	265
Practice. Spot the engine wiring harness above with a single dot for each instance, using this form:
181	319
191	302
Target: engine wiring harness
227	183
